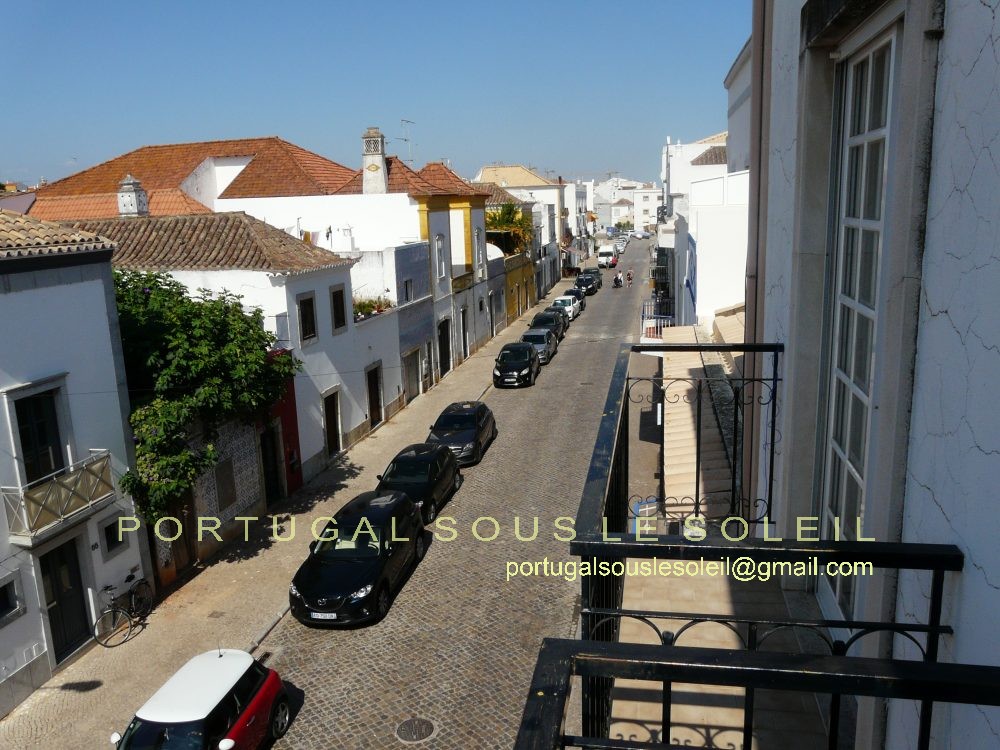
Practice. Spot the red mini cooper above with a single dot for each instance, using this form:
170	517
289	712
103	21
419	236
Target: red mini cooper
220	700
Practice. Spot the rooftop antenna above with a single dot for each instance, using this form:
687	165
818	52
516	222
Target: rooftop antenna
406	137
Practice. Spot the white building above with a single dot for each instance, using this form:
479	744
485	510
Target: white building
646	200
351	377
63	425
874	261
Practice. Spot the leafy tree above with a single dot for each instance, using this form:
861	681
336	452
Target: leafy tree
192	363
623	225
509	218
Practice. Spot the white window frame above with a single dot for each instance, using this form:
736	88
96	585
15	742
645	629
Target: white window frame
847	436
442	266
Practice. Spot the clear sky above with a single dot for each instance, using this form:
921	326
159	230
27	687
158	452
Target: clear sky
580	88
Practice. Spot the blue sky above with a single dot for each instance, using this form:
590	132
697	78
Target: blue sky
580	88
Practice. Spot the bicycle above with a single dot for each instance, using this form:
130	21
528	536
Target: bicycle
122	613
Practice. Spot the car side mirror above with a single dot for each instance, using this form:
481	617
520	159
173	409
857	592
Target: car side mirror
116	738
419	504
431	428
227	744
378	477
312	545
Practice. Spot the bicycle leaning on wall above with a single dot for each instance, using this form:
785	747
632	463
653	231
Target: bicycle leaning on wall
123	613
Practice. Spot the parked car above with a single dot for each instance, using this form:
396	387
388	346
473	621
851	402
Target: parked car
427	472
605	255
222	699
579	295
467	427
572	305
597	274
587	283
544	341
517	364
552	321
358	560
614	262
558	310
640	234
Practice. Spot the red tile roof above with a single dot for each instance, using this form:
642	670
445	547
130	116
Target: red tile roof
401	179
170	202
498	196
277	168
25	236
212	242
712	156
442	177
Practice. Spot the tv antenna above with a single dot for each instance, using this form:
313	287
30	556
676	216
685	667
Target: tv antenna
404	124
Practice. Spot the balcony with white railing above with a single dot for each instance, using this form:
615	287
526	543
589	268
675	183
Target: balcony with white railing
38	510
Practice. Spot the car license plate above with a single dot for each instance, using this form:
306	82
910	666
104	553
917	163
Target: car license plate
511	379
324	615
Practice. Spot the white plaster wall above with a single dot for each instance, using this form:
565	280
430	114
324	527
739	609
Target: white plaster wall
212	177
954	450
780	187
738	139
363	222
654	197
456	222
374	275
72	337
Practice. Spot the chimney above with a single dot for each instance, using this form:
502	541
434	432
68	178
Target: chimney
132	200
374	177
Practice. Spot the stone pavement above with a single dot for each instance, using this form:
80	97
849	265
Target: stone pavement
460	642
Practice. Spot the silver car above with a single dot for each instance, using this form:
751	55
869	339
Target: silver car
544	341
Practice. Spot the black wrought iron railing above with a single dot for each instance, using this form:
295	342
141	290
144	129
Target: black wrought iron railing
606	539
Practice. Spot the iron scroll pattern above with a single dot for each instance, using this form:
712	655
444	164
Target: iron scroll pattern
721	400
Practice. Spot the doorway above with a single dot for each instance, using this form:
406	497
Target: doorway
331	423
270	455
493	328
374	378
411	375
64	600
444	346
465	334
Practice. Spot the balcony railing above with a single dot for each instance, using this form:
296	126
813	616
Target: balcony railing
37	508
606	538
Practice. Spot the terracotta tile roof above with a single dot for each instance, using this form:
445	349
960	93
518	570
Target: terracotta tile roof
105	205
25	236
277	168
211	242
512	175
498	196
622	202
710	156
401	178
717	138
442	177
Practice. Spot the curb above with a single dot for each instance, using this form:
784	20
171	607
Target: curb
255	644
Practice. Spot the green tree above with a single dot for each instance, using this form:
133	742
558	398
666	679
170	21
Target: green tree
192	363
509	218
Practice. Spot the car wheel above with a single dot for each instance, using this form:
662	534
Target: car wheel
457	482
419	547
430	512
281	717
479	453
531	380
382	602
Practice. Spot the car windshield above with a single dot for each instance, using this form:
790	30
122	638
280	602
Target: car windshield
512	356
533	338
150	735
455	422
561	302
407	470
543	320
349	543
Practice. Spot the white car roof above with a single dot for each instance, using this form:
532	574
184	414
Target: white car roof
197	687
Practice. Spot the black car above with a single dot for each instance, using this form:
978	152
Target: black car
427	472
553	321
467	427
517	364
598	275
358	560
581	295
561	311
587	283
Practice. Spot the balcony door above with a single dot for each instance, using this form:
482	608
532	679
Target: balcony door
866	118
38	429
64	601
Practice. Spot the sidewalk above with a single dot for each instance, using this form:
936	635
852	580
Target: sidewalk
240	593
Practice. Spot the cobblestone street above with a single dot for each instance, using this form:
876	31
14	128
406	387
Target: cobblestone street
460	642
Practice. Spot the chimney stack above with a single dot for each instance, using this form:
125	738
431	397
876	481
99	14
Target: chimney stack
375	179
132	200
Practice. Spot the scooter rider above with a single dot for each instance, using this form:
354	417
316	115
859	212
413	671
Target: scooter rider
618	279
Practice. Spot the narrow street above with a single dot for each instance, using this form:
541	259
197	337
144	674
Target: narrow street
460	642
